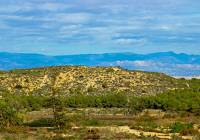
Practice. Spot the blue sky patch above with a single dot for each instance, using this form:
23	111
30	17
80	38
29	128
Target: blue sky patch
58	27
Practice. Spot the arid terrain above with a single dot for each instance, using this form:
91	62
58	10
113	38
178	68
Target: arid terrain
87	80
97	103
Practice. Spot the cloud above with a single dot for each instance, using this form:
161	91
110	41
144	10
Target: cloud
28	6
11	8
16	17
130	41
112	25
139	63
73	17
54	7
70	29
188	66
136	63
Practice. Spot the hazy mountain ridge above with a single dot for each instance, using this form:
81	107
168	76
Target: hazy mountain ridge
167	62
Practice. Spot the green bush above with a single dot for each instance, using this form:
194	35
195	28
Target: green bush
145	123
91	122
45	122
107	100
178	127
29	103
177	100
8	116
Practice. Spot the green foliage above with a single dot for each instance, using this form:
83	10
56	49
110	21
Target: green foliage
194	84
27	72
29	103
54	102
136	104
186	100
8	116
47	122
177	100
178	127
107	101
61	121
148	123
59	117
91	122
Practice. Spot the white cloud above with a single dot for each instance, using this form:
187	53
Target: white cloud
73	17
49	6
130	41
143	63
14	7
67	18
115	8
188	66
31	6
15	17
69	31
137	63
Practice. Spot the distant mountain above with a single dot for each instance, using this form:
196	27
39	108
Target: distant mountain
166	62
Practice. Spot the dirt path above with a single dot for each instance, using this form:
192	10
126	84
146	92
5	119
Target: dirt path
140	132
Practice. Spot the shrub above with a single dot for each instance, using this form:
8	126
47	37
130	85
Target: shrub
189	132
44	122
8	116
136	104
61	121
91	122
178	127
177	100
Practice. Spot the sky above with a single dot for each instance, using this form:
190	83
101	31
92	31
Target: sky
61	27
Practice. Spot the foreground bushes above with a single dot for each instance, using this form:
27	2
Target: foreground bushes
8	116
27	103
107	101
178	127
177	100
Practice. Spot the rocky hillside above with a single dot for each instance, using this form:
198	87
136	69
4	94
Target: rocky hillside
84	80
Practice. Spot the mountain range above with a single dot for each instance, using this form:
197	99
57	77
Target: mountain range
166	62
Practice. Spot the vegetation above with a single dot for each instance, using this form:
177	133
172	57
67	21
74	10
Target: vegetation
8	116
86	80
86	113
177	100
179	127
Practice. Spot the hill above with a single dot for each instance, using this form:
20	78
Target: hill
85	80
167	62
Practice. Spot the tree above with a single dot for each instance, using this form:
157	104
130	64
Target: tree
60	119
8	116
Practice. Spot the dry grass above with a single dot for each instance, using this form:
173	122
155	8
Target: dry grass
102	124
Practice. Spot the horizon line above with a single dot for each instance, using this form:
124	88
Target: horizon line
43	54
